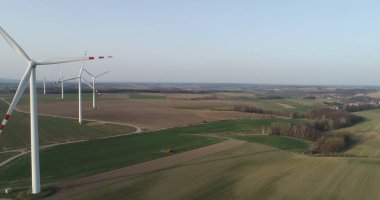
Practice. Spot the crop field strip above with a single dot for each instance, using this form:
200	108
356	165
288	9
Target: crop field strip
53	130
252	171
146	96
126	150
147	114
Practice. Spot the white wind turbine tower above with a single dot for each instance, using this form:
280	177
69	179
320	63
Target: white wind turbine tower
44	84
79	92
93	84
61	80
30	74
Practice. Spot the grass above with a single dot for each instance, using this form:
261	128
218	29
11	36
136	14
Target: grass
146	96
296	105
367	134
6	155
251	171
279	142
95	156
230	126
52	130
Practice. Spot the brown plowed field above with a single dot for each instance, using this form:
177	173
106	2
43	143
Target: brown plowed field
145	113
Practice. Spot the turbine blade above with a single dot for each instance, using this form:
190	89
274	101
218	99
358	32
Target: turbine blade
62	60
81	67
88	72
88	83
66	60
13	44
69	79
80	71
20	90
102	74
60	72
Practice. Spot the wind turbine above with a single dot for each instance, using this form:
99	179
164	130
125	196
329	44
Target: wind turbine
79	92
61	80
79	77
44	84
30	74
93	84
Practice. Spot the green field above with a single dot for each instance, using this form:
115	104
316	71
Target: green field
368	135
257	171
95	156
279	142
146	96
57	163
231	126
294	105
252	171
6	155
52	130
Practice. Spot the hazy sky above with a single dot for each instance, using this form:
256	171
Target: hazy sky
286	42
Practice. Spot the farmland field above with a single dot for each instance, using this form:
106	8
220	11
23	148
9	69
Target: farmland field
252	171
91	157
170	112
146	96
368	134
6	155
259	171
53	130
285	143
266	167
125	150
145	113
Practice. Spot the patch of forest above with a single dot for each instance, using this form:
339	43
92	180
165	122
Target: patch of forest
320	128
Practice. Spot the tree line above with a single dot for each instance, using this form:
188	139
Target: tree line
319	128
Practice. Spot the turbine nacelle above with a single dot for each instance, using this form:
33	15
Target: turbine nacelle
32	63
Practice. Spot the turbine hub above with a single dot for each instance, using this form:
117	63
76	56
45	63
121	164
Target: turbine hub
32	63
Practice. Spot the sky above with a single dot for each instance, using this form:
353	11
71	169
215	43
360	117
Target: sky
325	42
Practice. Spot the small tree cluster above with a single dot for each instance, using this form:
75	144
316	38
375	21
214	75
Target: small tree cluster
253	109
332	142
318	129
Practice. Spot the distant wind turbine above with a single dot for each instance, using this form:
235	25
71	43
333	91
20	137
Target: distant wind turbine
93	84
79	77
61	80
44	84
